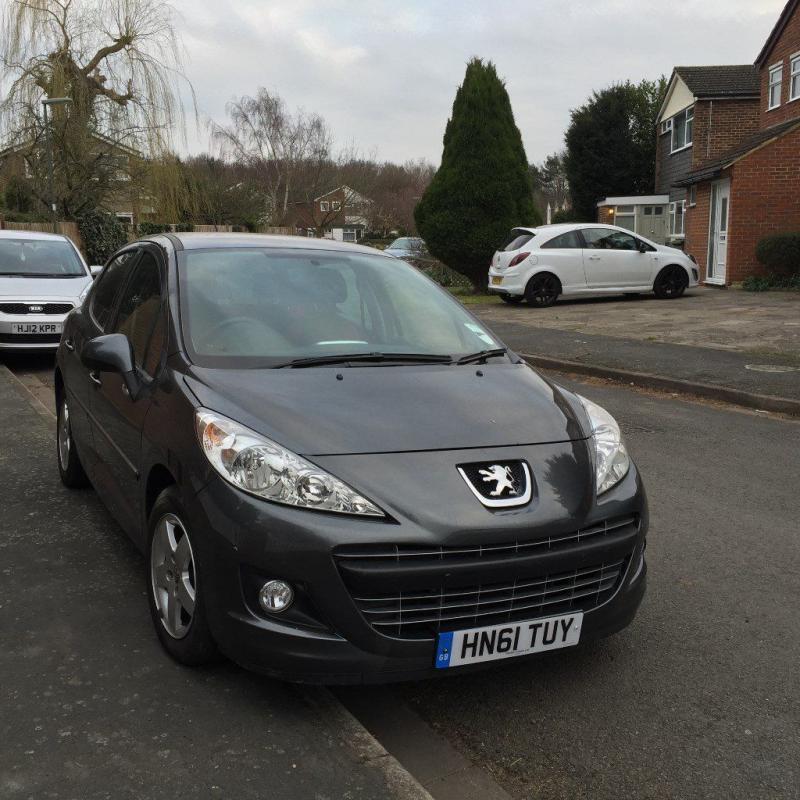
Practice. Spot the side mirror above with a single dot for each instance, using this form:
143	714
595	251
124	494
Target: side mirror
642	247
112	353
95	270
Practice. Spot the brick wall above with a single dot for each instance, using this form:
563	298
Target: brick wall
696	227
764	199
788	44
720	125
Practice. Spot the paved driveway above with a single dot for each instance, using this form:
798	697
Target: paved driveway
724	319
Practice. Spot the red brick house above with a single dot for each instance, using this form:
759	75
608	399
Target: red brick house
339	214
736	177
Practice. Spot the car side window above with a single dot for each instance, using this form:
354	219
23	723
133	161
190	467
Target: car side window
141	315
605	239
568	240
109	283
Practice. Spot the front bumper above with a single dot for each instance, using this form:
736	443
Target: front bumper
325	637
46	341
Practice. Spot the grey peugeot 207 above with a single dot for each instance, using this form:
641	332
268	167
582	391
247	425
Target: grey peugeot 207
336	473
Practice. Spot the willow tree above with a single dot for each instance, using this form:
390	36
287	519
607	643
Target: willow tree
119	64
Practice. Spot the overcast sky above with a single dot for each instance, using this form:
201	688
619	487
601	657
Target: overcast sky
384	73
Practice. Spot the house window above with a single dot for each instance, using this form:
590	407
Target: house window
336	205
794	77
693	195
682	129
666	125
775	81
676	217
348	235
324	206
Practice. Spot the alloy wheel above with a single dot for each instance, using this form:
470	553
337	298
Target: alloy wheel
673	282
64	436
543	290
173	576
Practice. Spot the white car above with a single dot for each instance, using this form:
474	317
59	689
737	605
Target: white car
42	278
541	264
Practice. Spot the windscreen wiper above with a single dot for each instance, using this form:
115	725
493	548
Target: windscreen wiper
482	355
344	358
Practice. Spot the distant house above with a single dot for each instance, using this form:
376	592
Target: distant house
339	214
124	197
729	154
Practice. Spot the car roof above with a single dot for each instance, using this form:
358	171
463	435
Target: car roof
562	227
203	241
35	235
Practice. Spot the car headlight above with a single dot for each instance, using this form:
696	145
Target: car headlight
82	295
261	467
611	456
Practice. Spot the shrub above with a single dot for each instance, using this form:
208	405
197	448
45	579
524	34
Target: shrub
102	234
152	228
567	215
184	227
761	283
18	195
780	253
481	190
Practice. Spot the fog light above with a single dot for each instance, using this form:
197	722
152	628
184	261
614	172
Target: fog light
275	596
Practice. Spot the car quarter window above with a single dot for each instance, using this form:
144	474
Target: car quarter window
140	316
606	239
109	283
570	239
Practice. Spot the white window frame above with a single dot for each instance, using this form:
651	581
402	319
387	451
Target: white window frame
692	196
794	77
688	116
336	205
775	69
673	215
324	205
666	126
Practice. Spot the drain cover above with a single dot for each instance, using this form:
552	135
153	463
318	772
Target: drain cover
771	368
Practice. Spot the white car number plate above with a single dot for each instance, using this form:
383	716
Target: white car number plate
35	327
506	641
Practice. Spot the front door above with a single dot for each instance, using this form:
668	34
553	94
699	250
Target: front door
718	231
612	260
118	417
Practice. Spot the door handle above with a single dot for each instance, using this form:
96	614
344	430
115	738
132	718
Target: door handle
95	379
69	345
594	258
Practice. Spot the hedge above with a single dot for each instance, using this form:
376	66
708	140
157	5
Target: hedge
780	253
102	234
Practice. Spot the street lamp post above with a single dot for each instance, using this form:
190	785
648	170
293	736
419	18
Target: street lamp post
51	101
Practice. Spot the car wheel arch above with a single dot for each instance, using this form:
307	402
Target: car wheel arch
544	271
159	478
672	264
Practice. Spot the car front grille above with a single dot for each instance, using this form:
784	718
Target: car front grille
30	338
25	308
415	591
423	614
408	553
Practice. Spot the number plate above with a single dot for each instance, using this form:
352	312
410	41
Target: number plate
36	327
497	280
507	641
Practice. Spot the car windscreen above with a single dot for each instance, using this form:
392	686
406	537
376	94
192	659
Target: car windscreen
267	306
516	239
39	258
404	244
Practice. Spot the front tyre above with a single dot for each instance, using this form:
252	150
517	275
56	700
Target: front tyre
173	589
69	464
542	290
670	283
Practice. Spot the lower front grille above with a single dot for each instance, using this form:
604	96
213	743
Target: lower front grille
30	338
421	614
36	308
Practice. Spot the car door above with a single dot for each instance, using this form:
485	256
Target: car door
563	255
612	259
84	324
119	418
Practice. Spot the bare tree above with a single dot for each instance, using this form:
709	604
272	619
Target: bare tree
274	142
118	63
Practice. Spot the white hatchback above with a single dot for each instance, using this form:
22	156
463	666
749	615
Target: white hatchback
541	264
